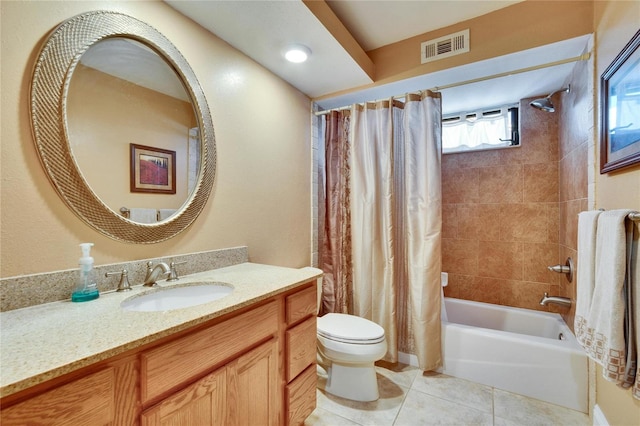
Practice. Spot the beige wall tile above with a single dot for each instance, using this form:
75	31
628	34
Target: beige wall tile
460	186
537	257
573	174
459	285
488	227
500	184
487	290
569	222
541	182
449	220
478	159
499	259
524	294
532	222
460	256
478	221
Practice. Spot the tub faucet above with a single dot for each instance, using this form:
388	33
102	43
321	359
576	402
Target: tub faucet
154	272
562	301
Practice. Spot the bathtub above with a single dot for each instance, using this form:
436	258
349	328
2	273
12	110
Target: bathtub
522	351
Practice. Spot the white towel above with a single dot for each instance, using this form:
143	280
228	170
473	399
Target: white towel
165	213
585	276
143	215
604	335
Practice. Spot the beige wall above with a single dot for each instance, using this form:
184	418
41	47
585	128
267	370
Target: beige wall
615	24
262	126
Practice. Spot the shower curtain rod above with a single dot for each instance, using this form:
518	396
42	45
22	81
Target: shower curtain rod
582	57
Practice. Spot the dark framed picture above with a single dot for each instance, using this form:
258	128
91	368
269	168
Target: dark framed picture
620	110
152	170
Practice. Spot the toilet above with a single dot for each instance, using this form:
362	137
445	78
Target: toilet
348	347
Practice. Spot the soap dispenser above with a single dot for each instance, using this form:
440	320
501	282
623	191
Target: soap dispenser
86	289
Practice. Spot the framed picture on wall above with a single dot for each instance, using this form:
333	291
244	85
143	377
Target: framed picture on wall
620	110
152	170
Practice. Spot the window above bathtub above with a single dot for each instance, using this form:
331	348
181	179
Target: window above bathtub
490	128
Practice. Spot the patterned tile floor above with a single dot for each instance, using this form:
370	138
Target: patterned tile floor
410	398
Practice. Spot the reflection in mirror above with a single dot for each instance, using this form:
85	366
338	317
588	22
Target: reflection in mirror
81	128
124	93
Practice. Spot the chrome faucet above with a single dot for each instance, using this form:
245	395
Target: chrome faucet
562	301
154	273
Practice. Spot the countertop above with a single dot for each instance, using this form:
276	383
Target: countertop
42	342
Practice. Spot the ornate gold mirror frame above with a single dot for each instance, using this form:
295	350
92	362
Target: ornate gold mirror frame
50	84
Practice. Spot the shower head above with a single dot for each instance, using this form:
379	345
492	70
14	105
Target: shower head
545	104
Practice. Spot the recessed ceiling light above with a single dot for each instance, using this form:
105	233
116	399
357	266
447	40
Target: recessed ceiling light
297	53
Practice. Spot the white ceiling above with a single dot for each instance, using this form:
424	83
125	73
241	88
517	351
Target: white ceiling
262	29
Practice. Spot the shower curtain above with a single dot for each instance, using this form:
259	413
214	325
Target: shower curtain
374	290
423	223
334	216
395	221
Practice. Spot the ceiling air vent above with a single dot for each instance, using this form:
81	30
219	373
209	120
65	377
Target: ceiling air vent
443	47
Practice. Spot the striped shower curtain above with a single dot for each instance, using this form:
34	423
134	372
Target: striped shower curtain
394	200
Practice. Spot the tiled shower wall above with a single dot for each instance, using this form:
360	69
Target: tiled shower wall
501	217
510	213
575	153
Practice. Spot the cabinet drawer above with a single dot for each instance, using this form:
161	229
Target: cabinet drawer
302	304
301	396
186	358
86	401
301	347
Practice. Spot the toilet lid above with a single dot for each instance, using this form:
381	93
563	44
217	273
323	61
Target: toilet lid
349	329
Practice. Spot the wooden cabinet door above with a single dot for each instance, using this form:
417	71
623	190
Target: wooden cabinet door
86	401
253	388
202	403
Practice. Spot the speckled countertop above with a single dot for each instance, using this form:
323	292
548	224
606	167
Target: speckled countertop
42	342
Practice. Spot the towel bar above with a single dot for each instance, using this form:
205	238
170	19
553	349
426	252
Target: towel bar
635	216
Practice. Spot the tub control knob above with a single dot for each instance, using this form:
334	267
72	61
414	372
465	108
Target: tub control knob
561	269
567	269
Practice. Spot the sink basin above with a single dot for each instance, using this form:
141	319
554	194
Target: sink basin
177	297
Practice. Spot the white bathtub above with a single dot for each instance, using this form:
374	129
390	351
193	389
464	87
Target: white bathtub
517	350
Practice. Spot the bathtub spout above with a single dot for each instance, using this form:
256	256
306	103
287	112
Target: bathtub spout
562	301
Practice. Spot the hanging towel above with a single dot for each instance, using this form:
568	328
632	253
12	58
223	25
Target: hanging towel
585	278
143	215
632	372
165	213
604	337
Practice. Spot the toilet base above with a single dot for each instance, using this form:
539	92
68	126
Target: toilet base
355	382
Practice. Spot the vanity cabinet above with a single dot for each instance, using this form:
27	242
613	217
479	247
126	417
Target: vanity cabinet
300	344
101	395
168	367
251	366
226	396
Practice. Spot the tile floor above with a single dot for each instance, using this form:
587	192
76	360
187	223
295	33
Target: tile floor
409	397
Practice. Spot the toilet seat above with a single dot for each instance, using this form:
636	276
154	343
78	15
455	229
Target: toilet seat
349	329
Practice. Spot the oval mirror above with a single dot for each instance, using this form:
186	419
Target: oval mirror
122	127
